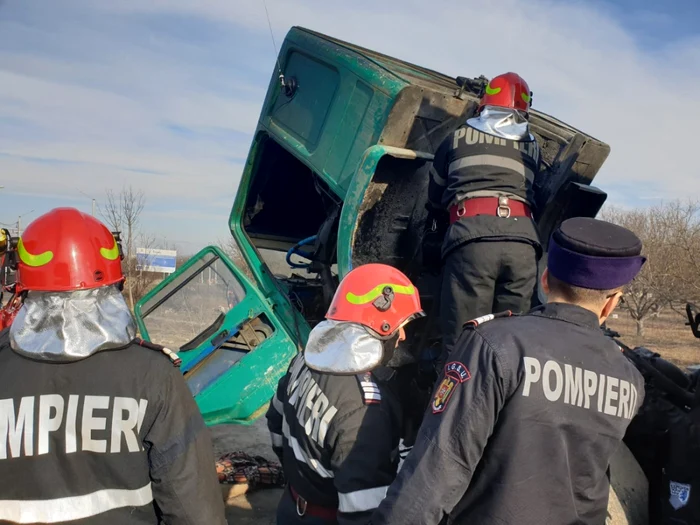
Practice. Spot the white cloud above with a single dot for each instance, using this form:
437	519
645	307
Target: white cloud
94	170
111	137
110	110
198	110
583	65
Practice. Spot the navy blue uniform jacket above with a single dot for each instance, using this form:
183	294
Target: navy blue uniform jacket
522	426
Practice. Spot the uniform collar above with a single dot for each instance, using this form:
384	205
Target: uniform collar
570	313
383	373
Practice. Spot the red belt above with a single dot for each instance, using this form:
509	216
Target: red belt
304	508
497	206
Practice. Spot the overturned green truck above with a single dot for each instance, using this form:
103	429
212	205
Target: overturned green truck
336	176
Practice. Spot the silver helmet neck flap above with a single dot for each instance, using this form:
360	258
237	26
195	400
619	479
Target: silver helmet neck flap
502	122
69	326
340	347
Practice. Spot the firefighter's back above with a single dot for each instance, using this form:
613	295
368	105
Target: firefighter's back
93	428
75	437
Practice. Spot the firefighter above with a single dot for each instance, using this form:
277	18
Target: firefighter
335	421
93	428
483	174
9	309
530	409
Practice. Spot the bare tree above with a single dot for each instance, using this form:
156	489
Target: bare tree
122	212
686	244
670	234
230	247
141	281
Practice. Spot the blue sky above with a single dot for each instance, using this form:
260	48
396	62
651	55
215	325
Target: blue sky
164	94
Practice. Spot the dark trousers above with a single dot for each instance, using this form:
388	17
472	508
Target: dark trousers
483	277
287	513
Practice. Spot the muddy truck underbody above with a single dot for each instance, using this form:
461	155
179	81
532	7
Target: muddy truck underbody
336	177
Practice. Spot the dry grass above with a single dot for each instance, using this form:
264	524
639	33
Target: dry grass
667	334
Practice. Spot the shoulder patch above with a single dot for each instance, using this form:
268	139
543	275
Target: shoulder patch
486	318
174	358
680	494
369	389
455	374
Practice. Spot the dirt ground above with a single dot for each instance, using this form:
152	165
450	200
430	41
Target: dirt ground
257	507
667	334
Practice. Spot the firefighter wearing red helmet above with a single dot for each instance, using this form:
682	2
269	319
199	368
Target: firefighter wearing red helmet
93	428
335	421
483	174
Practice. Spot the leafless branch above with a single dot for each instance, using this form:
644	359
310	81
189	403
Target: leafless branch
122	212
231	248
670	233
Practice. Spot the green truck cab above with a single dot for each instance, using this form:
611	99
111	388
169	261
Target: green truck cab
336	176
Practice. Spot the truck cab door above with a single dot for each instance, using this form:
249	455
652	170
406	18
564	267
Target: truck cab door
233	348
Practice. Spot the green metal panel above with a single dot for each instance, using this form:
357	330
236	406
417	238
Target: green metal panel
349	142
339	110
306	115
228	393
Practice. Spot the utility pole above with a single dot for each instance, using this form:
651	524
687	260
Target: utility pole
19	222
94	202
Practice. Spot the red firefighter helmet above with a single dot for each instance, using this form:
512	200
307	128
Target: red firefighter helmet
507	91
66	250
377	296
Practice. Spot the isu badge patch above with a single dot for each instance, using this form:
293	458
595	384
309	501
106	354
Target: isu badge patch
680	494
455	374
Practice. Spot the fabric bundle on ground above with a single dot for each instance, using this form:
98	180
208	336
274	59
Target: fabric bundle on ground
255	471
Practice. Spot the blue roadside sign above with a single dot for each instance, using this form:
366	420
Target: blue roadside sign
159	261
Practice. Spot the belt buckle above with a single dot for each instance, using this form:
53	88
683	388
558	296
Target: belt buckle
301	506
503	210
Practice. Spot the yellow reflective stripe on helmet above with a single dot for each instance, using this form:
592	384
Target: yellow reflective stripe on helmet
492	91
377	291
525	97
110	254
33	260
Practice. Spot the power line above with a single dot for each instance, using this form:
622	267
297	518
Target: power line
272	35
94	201
289	88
